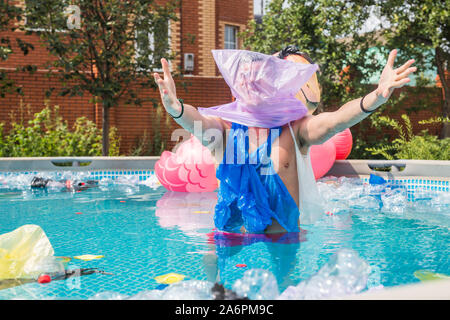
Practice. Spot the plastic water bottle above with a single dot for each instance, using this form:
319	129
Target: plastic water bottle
257	284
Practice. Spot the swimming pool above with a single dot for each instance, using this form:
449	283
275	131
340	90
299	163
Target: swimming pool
143	231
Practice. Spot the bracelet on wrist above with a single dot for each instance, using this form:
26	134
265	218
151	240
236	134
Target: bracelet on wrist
362	106
182	110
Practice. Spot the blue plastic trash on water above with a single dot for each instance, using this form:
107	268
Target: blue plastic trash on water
374	179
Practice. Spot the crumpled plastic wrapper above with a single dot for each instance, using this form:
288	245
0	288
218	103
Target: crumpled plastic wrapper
25	253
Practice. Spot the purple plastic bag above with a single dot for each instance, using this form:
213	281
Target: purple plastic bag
264	86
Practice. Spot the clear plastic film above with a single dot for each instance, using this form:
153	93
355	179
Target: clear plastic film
25	253
310	201
264	87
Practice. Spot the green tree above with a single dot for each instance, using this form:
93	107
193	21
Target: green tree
351	58
10	21
421	28
103	47
328	32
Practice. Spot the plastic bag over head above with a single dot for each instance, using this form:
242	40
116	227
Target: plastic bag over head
264	87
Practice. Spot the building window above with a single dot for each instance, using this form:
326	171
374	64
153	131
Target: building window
231	41
152	46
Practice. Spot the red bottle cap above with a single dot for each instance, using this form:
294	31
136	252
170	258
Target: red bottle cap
241	265
45	278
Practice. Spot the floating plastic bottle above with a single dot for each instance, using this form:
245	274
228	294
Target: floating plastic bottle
188	290
345	273
257	284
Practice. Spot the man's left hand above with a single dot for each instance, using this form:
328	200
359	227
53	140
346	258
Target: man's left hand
391	78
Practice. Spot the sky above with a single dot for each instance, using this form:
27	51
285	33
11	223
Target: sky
257	6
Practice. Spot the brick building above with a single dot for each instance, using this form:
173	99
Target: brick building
213	24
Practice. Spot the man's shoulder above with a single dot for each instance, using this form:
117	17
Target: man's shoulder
297	124
224	123
299	128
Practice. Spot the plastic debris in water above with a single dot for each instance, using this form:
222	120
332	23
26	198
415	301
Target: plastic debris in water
374	179
151	182
69	273
345	273
45	278
425	275
147	295
108	295
26	253
169	278
188	290
366	203
88	257
162	286
63	259
257	284
241	265
394	200
219	292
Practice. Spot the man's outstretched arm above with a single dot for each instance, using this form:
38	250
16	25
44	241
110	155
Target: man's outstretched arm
189	114
318	129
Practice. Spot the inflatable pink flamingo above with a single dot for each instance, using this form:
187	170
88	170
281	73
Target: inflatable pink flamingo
190	169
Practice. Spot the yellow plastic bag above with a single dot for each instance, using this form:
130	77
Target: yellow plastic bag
26	253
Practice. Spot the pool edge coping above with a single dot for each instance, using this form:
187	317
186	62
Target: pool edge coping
354	167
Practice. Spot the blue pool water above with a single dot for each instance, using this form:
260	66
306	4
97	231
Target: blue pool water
143	233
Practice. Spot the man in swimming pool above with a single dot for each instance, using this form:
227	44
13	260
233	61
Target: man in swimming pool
278	199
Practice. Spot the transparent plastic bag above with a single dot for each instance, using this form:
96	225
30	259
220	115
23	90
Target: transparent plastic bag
25	253
310	201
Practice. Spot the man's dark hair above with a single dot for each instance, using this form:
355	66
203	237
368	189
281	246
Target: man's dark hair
292	49
287	51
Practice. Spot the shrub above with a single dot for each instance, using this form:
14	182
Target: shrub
48	135
409	146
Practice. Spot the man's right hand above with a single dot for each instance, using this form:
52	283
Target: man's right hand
191	115
167	90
